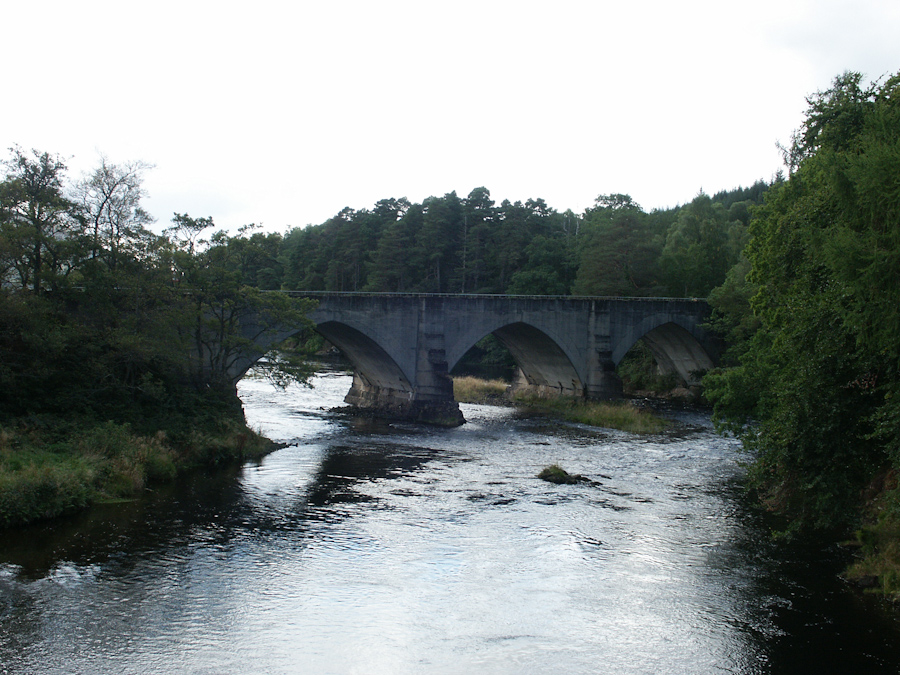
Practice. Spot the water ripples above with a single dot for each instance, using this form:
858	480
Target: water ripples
400	549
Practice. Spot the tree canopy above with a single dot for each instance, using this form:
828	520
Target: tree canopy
453	244
100	317
818	365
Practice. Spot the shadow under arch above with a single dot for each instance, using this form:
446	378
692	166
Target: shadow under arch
677	351
370	361
542	362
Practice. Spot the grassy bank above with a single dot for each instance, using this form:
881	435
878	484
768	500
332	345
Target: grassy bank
877	567
47	471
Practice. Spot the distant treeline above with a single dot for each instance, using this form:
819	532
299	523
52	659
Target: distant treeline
453	244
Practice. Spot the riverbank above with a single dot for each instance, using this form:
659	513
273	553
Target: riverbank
469	389
53	468
877	565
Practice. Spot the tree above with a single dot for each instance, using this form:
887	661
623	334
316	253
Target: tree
478	217
619	249
821	375
221	319
392	269
39	224
110	202
438	242
549	268
700	248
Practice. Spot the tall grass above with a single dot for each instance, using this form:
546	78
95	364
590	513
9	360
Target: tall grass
612	415
468	389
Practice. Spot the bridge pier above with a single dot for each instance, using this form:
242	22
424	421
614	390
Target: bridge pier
428	408
426	397
602	381
604	384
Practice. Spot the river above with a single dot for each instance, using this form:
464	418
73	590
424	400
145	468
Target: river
370	548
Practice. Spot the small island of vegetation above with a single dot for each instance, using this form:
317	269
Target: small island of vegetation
610	414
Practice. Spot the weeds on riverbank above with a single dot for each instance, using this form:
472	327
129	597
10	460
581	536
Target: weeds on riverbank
613	415
49	471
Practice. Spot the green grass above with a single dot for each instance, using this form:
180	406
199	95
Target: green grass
48	472
612	415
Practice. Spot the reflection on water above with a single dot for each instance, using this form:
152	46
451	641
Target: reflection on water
374	548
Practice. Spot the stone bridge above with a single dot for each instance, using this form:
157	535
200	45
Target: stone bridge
403	347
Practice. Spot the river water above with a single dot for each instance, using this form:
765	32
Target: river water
370	548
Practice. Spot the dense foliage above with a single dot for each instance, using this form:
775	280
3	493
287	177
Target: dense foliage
813	312
99	316
471	245
115	342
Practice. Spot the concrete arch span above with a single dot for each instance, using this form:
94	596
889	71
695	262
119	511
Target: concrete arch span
677	351
373	367
544	364
677	348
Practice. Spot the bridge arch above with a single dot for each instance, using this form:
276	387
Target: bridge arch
370	360
676	343
543	361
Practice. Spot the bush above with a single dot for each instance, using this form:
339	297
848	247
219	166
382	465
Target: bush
45	473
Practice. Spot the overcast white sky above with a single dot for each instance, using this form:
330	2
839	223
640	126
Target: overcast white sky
282	113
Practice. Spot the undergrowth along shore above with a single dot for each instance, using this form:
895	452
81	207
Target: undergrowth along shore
613	415
877	565
50	472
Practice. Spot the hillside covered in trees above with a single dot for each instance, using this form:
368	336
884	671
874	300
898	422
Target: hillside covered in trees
453	244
